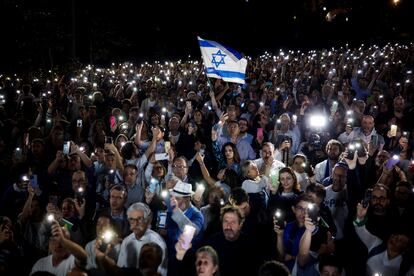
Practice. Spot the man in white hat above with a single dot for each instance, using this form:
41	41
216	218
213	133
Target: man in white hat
181	213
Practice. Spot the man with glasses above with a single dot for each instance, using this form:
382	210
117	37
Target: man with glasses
244	127
382	216
139	217
289	236
179	169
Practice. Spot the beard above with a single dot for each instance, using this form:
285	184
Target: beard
379	210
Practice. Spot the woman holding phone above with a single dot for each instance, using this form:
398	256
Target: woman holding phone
286	194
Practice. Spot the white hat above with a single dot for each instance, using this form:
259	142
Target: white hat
182	189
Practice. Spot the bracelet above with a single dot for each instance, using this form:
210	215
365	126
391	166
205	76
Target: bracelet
360	223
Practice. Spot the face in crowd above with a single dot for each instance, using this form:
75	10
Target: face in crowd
333	152
339	175
379	201
205	265
180	168
138	222
231	226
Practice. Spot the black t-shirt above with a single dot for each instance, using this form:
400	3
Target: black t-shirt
235	257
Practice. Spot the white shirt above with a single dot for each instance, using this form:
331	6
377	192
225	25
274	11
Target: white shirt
381	264
45	264
303	180
336	202
252	186
276	166
90	249
131	248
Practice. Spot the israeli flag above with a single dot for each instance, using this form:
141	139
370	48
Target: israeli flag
222	62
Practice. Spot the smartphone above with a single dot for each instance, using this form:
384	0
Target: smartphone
153	185
167	146
351	151
54	199
103	247
188	234
140	118
274	178
66	148
112	121
393	130
162	217
360	149
308	169
312	210
80	195
161	156
33	181
188	104
367	198
79	123
18	154
392	162
259	133
279	218
109	140
374	140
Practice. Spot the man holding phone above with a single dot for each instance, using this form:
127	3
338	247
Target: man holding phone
289	238
139	217
180	213
368	134
336	198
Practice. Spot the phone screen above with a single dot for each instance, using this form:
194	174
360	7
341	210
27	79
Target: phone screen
153	186
313	212
259	133
66	148
108	140
112	122
391	163
188	103
33	181
167	146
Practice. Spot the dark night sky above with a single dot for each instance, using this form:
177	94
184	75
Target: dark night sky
36	33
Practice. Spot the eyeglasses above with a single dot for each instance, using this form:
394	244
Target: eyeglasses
300	209
380	199
137	220
158	167
179	167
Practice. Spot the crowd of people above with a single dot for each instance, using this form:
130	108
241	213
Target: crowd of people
154	169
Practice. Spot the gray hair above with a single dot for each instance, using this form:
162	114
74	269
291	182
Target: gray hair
245	167
139	206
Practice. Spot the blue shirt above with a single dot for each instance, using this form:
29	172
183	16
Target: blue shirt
245	150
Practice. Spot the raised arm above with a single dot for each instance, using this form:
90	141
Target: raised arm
206	175
305	242
366	237
75	249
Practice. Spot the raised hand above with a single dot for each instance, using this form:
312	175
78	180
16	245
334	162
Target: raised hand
361	211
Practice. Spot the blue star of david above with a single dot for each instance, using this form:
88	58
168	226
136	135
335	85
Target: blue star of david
220	56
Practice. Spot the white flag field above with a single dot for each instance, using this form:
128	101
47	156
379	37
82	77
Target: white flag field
222	62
